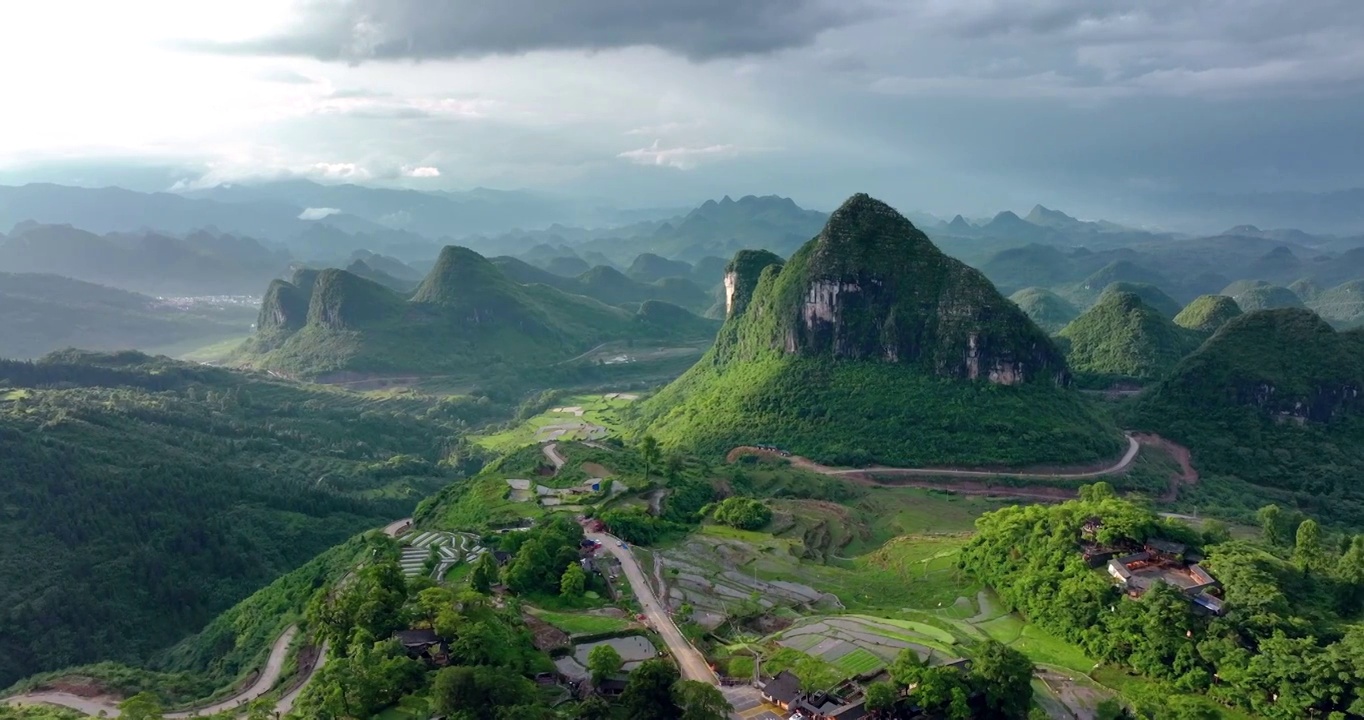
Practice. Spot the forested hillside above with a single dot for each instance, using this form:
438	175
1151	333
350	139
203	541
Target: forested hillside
1270	407
1285	646
143	497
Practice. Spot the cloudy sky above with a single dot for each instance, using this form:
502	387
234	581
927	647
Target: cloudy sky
939	105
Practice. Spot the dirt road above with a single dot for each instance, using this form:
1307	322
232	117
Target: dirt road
1133	446
691	663
274	665
555	459
94	706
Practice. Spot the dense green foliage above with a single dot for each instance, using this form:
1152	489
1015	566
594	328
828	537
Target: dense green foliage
490	649
997	685
870	335
1269	407
43	313
1050	311
743	513
1207	313
1126	276
1281	649
1123	337
155	495
467	319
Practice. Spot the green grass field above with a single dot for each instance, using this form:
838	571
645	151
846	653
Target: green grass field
858	662
597	410
579	624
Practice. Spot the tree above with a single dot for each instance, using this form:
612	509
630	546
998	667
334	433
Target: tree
432	601
648	450
142	706
484	574
1215	531
907	668
1004	676
743	513
1350	572
573	582
1308	554
701	701
603	662
1109	709
1097	492
814	674
593	708
1273	524
648	695
881	696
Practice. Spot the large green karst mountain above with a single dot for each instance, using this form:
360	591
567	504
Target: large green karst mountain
1050	311
1272	399
467	317
1206	313
1122	337
870	344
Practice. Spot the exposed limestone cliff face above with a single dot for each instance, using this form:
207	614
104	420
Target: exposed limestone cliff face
742	275
873	287
284	308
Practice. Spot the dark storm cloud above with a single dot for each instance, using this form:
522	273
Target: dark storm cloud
360	30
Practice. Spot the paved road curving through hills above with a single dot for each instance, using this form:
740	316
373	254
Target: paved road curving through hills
689	660
274	665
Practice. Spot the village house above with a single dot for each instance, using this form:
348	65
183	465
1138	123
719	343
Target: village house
1162	561
782	690
425	645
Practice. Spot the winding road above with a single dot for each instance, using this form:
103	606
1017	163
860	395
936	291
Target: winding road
274	665
689	660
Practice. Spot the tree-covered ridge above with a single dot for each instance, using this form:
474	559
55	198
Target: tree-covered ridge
1271	399
157	494
466	318
1283	648
1123	337
870	345
1050	311
608	285
1207	313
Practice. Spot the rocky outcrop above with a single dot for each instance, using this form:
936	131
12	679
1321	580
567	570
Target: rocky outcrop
284	308
742	275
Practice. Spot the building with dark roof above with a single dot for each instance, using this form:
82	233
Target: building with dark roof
782	690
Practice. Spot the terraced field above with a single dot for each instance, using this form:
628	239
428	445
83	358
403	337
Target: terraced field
582	417
452	548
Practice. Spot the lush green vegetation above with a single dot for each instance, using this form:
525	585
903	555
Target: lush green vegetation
1343	304
858	412
1122	337
743	513
1206	313
1283	648
1050	311
1268	407
146	497
466	319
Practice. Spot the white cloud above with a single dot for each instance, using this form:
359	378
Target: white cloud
340	171
682	158
317	213
423	171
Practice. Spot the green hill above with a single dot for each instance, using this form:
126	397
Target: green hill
870	335
1153	296
466	319
1123	337
649	267
1050	311
609	285
1342	304
43	313
1207	313
1306	289
1252	295
156	494
1270	401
